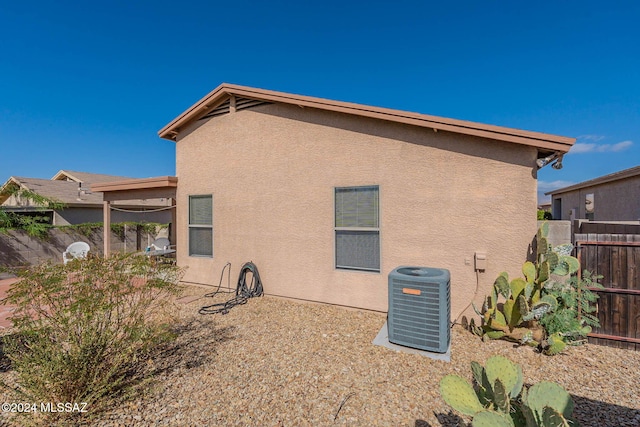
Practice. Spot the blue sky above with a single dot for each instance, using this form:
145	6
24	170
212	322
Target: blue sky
86	85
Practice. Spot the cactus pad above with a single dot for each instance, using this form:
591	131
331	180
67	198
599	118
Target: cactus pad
491	419
501	397
499	367
543	246
566	265
552	259
459	394
517	287
509	314
543	272
543	231
529	271
555	344
502	285
495	335
549	394
564	249
546	304
497	320
552	418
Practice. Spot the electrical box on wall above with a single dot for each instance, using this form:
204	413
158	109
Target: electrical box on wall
481	260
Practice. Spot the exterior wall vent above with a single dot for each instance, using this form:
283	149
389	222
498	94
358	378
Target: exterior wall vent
420	308
225	107
242	103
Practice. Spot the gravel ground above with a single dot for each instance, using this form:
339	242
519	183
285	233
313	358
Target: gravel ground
274	362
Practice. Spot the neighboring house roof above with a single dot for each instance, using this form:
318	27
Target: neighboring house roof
239	96
616	176
87	177
72	189
64	191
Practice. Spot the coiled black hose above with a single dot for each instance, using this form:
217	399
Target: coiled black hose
244	291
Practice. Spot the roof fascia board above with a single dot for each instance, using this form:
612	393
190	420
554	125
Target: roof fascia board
203	104
537	139
351	107
450	125
136	184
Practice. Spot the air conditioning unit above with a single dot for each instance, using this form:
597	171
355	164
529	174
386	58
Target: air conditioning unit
420	308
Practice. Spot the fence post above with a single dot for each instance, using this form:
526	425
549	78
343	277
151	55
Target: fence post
579	283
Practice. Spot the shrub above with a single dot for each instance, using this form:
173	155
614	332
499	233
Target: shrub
83	329
37	223
544	215
574	317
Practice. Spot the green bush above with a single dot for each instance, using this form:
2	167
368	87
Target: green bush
83	330
33	224
544	215
36	224
575	315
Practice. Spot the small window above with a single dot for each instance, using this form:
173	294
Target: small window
201	226
357	228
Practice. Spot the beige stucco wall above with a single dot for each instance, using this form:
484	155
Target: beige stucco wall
614	201
272	172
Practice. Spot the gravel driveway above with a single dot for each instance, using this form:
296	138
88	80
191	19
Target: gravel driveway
274	362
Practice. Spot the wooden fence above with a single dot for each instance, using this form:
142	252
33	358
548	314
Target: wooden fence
588	227
617	258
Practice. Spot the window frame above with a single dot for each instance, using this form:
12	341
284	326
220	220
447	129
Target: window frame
191	226
368	230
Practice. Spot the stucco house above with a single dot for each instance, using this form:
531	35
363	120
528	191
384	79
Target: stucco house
81	204
328	197
613	197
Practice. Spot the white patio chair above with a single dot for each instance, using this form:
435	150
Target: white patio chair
76	250
161	244
161	249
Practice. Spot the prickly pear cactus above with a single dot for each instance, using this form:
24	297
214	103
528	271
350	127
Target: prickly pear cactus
528	300
545	304
564	249
548	394
552	418
492	419
500	400
554	344
508	373
566	265
459	394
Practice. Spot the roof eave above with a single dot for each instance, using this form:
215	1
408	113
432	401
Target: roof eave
543	141
136	184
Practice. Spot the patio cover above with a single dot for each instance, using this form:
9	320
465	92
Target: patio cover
135	189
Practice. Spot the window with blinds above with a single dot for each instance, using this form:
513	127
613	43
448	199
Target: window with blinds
201	226
357	228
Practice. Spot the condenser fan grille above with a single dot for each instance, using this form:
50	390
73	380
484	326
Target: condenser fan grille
419	309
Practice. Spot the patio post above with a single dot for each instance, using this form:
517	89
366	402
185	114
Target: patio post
172	228
106	209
